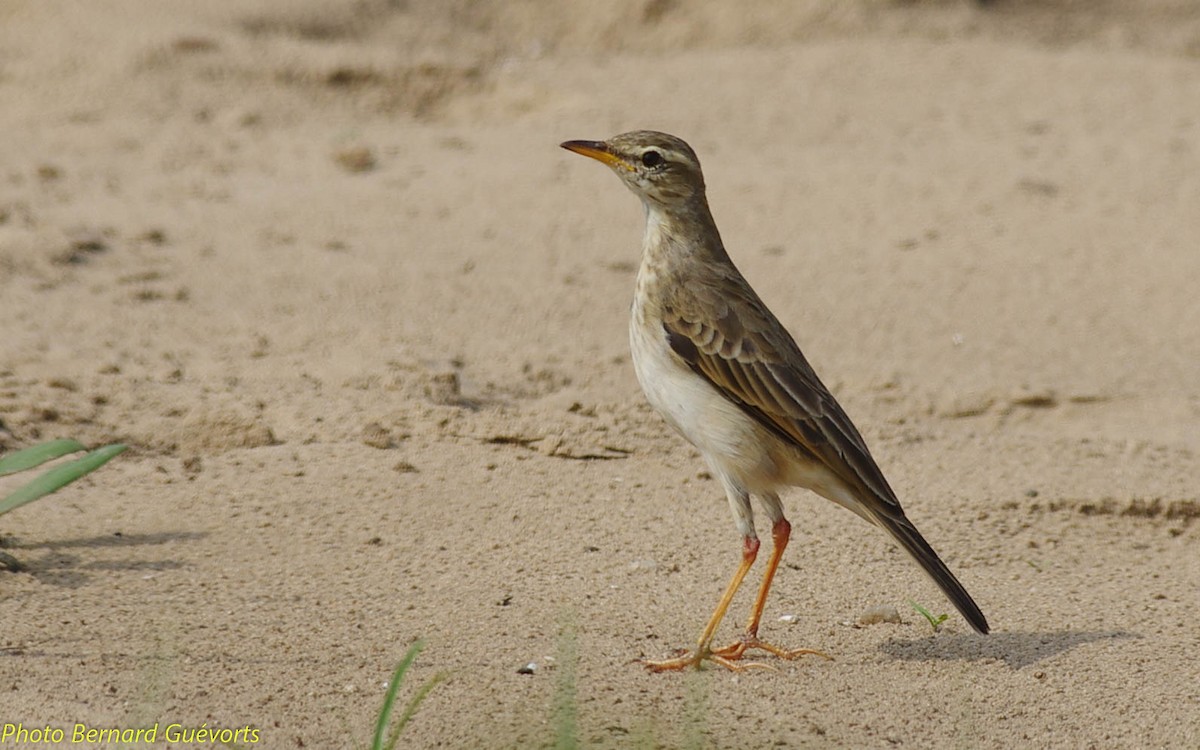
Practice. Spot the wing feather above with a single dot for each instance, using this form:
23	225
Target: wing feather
752	361
743	352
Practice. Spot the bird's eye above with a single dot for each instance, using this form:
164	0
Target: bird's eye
652	159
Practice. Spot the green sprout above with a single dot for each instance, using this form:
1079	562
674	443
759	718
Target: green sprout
935	622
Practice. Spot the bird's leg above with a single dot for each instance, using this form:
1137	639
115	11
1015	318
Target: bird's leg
703	647
781	532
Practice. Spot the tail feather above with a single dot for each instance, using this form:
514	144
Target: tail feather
913	543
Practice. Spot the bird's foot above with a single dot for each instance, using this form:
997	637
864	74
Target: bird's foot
730	656
738	649
695	660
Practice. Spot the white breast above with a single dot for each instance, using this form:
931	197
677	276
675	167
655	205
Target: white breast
732	442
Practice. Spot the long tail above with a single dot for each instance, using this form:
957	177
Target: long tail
912	541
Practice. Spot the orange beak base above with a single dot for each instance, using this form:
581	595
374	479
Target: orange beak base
597	150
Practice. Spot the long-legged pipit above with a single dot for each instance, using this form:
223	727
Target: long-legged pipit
725	373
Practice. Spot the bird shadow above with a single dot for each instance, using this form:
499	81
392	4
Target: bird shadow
117	539
1016	650
59	566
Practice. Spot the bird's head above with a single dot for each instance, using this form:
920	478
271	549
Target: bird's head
660	169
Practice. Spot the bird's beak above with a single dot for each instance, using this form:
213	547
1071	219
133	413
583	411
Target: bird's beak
599	151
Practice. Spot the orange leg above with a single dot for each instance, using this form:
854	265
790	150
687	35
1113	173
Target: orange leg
703	647
780	533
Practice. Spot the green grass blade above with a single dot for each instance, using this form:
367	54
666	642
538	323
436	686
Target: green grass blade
566	704
389	698
695	713
37	455
411	708
60	476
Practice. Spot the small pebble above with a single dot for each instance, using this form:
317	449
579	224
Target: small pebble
359	159
789	618
878	614
376	435
529	668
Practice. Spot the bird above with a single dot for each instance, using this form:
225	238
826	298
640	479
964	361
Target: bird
722	370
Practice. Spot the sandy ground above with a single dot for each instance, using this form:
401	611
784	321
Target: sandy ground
323	267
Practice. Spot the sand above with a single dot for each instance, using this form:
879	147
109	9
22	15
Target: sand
363	324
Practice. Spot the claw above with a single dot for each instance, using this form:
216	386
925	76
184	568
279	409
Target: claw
696	661
730	656
737	649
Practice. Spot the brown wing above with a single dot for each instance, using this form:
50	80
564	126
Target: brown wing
743	351
747	355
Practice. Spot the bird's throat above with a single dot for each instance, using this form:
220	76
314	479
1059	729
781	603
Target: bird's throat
680	232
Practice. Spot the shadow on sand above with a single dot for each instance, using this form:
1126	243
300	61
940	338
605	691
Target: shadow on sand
1017	650
60	567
